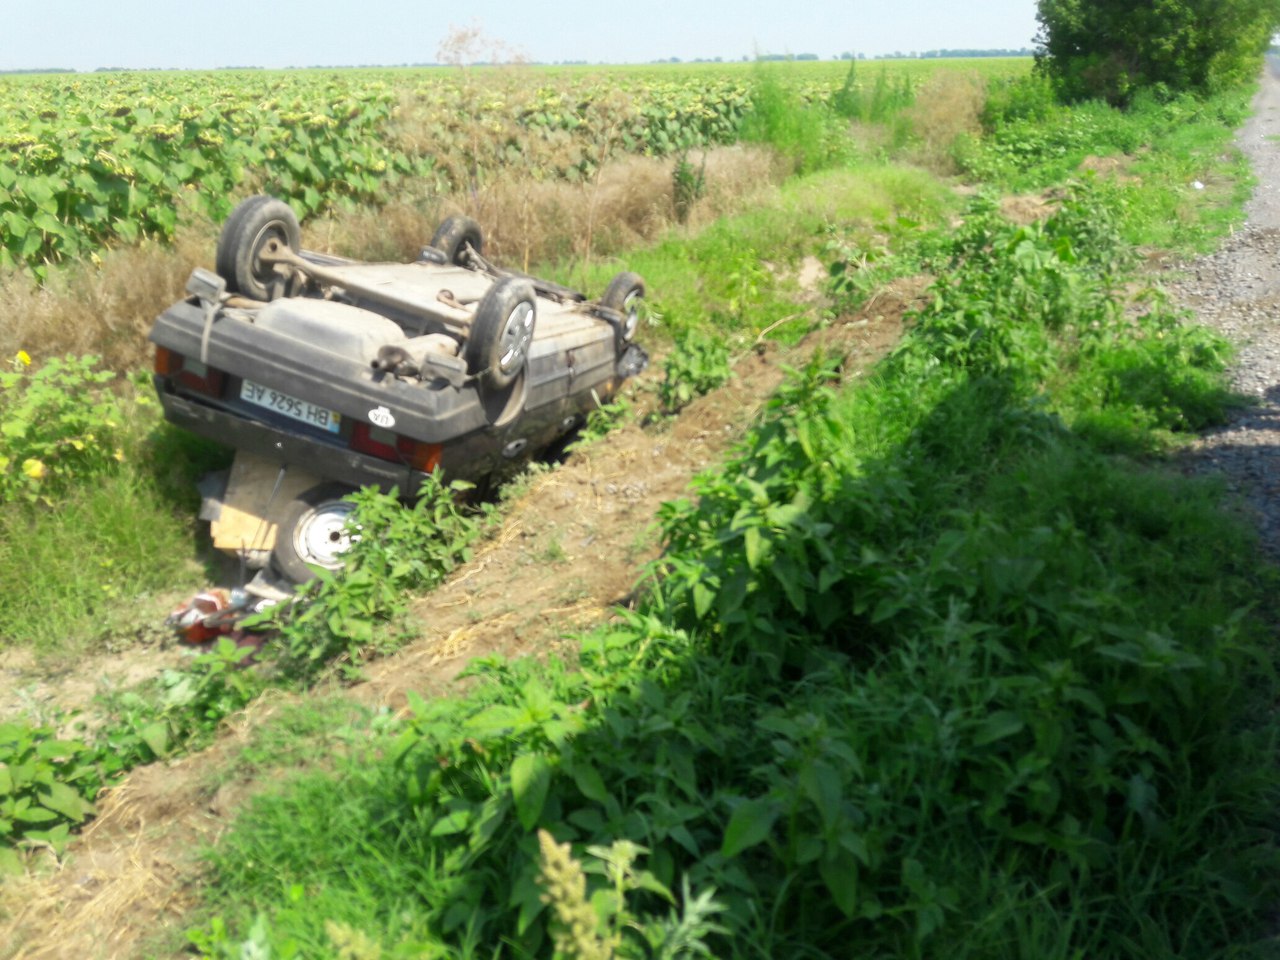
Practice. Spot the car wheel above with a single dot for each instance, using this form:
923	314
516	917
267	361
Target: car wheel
454	236
313	532
501	333
249	228
625	295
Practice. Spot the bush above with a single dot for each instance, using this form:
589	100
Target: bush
1111	49
51	437
696	365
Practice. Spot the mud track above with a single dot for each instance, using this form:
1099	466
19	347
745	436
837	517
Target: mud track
569	551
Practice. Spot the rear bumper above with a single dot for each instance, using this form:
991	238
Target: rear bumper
289	448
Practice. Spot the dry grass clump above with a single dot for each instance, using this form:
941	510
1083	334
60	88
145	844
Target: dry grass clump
108	308
1029	208
631	202
528	220
947	106
394	232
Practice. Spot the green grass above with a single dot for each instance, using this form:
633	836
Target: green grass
291	737
824	72
90	562
1152	155
737	276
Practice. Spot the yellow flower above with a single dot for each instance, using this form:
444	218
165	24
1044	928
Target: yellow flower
119	454
24	358
33	468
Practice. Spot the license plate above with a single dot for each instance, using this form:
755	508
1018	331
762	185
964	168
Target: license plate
291	407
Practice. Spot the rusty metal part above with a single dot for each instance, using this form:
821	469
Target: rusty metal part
277	253
449	300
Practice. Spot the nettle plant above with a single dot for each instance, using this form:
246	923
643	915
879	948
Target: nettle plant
46	785
696	365
395	549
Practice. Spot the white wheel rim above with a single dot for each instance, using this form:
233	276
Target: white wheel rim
517	334
321	537
631	310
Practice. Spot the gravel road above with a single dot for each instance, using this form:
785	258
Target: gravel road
1236	290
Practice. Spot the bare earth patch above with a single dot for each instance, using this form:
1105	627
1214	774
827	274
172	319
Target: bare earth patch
1027	208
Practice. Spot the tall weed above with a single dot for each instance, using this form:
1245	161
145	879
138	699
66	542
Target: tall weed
1151	153
877	104
805	133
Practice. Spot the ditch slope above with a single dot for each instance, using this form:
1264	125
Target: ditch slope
570	549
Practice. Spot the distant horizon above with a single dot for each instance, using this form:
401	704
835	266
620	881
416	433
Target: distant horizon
945	54
87	36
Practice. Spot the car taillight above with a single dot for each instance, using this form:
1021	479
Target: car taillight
386	445
167	363
189	372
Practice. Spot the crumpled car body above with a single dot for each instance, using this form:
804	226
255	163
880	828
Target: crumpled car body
327	374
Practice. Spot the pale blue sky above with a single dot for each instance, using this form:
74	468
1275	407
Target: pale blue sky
86	34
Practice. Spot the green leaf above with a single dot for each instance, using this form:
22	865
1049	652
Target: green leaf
526	894
10	863
530	780
166	218
40	191
754	545
703	598
156	736
823	787
35	815
589	782
57	837
57	749
63	800
47	222
749	825
840	873
455	822
998	726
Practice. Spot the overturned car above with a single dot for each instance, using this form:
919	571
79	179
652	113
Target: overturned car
326	374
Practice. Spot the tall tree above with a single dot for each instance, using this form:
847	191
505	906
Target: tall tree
1113	48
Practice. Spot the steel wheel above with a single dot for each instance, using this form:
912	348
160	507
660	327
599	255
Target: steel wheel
497	346
313	532
517	335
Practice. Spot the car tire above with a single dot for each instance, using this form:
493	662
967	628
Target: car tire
251	225
497	348
625	295
312	532
454	236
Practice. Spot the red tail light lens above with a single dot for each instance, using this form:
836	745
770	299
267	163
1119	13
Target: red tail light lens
167	363
190	373
386	445
420	456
